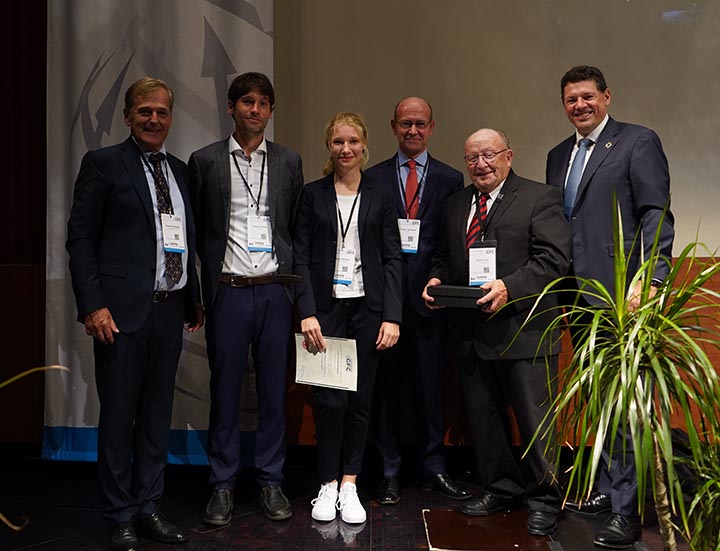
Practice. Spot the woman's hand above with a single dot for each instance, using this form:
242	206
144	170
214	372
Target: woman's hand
310	328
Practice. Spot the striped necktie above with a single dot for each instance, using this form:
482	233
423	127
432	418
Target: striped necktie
479	217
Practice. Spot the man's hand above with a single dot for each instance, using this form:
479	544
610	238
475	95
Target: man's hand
429	301
388	335
634	301
495	298
310	328
101	326
199	320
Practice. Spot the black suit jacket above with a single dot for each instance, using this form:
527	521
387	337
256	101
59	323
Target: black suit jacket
533	249
315	245
440	182
629	160
112	240
210	194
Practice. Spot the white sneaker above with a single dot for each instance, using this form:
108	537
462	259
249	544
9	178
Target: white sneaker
348	503
324	504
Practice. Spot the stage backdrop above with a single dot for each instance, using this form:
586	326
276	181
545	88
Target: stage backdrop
96	49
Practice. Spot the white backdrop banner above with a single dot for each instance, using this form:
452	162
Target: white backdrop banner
96	49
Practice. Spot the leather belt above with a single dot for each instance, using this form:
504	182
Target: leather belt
164	296
250	281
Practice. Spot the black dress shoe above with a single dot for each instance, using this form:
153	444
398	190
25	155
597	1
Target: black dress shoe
123	537
218	511
445	485
159	528
489	504
541	523
388	493
275	505
596	504
618	532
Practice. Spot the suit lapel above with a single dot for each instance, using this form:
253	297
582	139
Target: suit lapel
502	202
428	188
131	158
460	223
273	176
366	196
224	179
328	194
605	144
561	168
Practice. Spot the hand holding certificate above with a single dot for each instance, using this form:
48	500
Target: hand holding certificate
335	367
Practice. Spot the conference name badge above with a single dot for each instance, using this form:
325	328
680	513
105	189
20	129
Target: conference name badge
259	234
344	266
173	231
482	262
409	235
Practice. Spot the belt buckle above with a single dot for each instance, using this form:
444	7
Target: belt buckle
160	296
237	281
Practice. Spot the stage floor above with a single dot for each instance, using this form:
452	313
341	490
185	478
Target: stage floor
60	500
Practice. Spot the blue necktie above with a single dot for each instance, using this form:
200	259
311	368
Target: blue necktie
576	172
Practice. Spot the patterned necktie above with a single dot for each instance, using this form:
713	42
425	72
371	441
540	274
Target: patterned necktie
479	216
411	186
173	261
576	172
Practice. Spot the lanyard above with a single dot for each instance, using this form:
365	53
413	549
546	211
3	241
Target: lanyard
344	228
416	197
247	186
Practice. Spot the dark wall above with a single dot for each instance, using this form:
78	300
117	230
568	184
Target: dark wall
22	218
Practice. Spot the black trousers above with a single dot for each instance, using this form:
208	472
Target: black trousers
489	387
135	379
342	417
412	369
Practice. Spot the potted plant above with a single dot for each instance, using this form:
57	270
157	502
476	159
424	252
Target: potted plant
632	370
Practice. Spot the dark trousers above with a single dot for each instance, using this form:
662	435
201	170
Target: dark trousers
489	387
617	475
342	417
412	369
245	319
135	379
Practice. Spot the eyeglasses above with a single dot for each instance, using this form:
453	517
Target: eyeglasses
487	156
407	125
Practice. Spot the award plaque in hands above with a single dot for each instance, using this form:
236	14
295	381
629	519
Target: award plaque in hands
456	296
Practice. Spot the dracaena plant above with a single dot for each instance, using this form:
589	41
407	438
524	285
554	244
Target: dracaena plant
632	370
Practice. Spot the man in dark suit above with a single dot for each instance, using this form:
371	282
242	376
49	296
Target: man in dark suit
507	234
131	241
419	185
606	157
245	191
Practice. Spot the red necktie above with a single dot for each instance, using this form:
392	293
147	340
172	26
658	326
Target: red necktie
411	187
480	216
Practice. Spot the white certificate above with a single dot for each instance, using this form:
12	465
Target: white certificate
335	367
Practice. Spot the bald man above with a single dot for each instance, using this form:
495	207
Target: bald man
411	372
507	235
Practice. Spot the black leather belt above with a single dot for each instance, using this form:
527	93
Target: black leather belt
164	296
250	281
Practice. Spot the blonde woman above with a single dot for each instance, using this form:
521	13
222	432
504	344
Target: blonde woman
347	248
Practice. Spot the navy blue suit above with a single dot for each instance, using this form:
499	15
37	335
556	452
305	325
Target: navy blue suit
243	318
628	160
418	358
112	245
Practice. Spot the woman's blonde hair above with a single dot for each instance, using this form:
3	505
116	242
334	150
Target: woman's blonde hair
351	119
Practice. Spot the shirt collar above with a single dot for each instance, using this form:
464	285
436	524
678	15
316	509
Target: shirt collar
419	159
234	146
595	134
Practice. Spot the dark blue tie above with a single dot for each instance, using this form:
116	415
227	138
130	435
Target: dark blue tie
576	172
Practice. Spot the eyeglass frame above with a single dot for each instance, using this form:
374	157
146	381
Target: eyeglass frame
487	156
407	125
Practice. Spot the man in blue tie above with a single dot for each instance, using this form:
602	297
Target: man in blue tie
602	159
